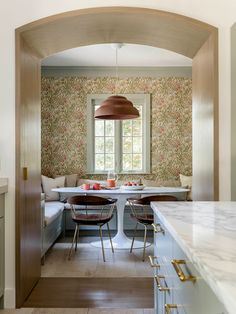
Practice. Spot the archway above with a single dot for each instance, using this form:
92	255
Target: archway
44	37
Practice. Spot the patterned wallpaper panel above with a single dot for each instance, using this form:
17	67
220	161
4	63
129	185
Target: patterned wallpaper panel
64	101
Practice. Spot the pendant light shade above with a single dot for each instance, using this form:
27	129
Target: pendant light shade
116	108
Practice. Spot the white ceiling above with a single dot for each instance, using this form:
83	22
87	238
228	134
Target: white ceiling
128	55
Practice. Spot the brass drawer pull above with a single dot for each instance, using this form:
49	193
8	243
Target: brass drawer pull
152	263
158	282
176	264
157	228
168	308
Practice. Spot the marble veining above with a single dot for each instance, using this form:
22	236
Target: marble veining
206	232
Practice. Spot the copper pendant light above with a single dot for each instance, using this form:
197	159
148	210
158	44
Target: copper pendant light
116	107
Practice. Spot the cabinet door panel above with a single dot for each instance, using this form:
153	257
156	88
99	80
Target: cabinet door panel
163	251
1	256
196	297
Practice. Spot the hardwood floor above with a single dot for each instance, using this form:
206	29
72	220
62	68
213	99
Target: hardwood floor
126	293
88	262
87	285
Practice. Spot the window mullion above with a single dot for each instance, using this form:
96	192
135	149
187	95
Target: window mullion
146	135
90	135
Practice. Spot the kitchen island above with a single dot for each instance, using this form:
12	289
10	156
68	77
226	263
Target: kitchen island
205	233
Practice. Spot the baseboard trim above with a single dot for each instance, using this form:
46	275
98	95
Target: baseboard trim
10	298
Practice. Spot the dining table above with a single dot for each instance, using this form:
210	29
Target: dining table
120	240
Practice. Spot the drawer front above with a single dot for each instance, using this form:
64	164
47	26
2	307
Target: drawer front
1	256
163	243
163	293
163	250
195	296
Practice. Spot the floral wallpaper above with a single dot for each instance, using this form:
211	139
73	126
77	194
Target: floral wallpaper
64	101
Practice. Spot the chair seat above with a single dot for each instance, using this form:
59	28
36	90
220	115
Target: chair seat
91	219
143	218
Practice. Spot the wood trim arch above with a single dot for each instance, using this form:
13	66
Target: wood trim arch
44	37
166	30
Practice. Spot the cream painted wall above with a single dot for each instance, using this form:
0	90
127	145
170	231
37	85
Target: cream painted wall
13	14
233	112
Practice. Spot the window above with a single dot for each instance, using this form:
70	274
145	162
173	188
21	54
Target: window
123	146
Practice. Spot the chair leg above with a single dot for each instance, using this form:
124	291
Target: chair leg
77	235
108	229
145	240
132	244
73	241
100	233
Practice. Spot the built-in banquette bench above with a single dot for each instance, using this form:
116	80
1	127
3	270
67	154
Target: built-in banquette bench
51	222
56	216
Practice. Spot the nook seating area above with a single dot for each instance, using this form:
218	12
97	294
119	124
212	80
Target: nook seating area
55	211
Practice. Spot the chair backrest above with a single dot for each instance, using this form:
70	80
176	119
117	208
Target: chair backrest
91	202
153	198
143	204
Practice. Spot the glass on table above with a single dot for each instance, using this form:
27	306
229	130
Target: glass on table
111	179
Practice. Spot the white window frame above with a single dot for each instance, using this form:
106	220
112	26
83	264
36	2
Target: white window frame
141	99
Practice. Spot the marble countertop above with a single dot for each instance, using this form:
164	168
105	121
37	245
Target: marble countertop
3	185
206	232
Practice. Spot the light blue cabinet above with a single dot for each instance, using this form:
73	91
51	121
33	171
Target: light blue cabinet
176	292
1	257
1	248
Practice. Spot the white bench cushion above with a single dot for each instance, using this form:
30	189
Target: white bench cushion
52	211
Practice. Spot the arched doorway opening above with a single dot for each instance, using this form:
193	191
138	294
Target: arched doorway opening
42	38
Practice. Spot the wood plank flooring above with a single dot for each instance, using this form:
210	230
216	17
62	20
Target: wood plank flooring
87	261
127	293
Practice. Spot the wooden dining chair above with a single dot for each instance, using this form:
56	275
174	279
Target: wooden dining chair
140	212
82	213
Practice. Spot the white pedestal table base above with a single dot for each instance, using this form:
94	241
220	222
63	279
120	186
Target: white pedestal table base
120	242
